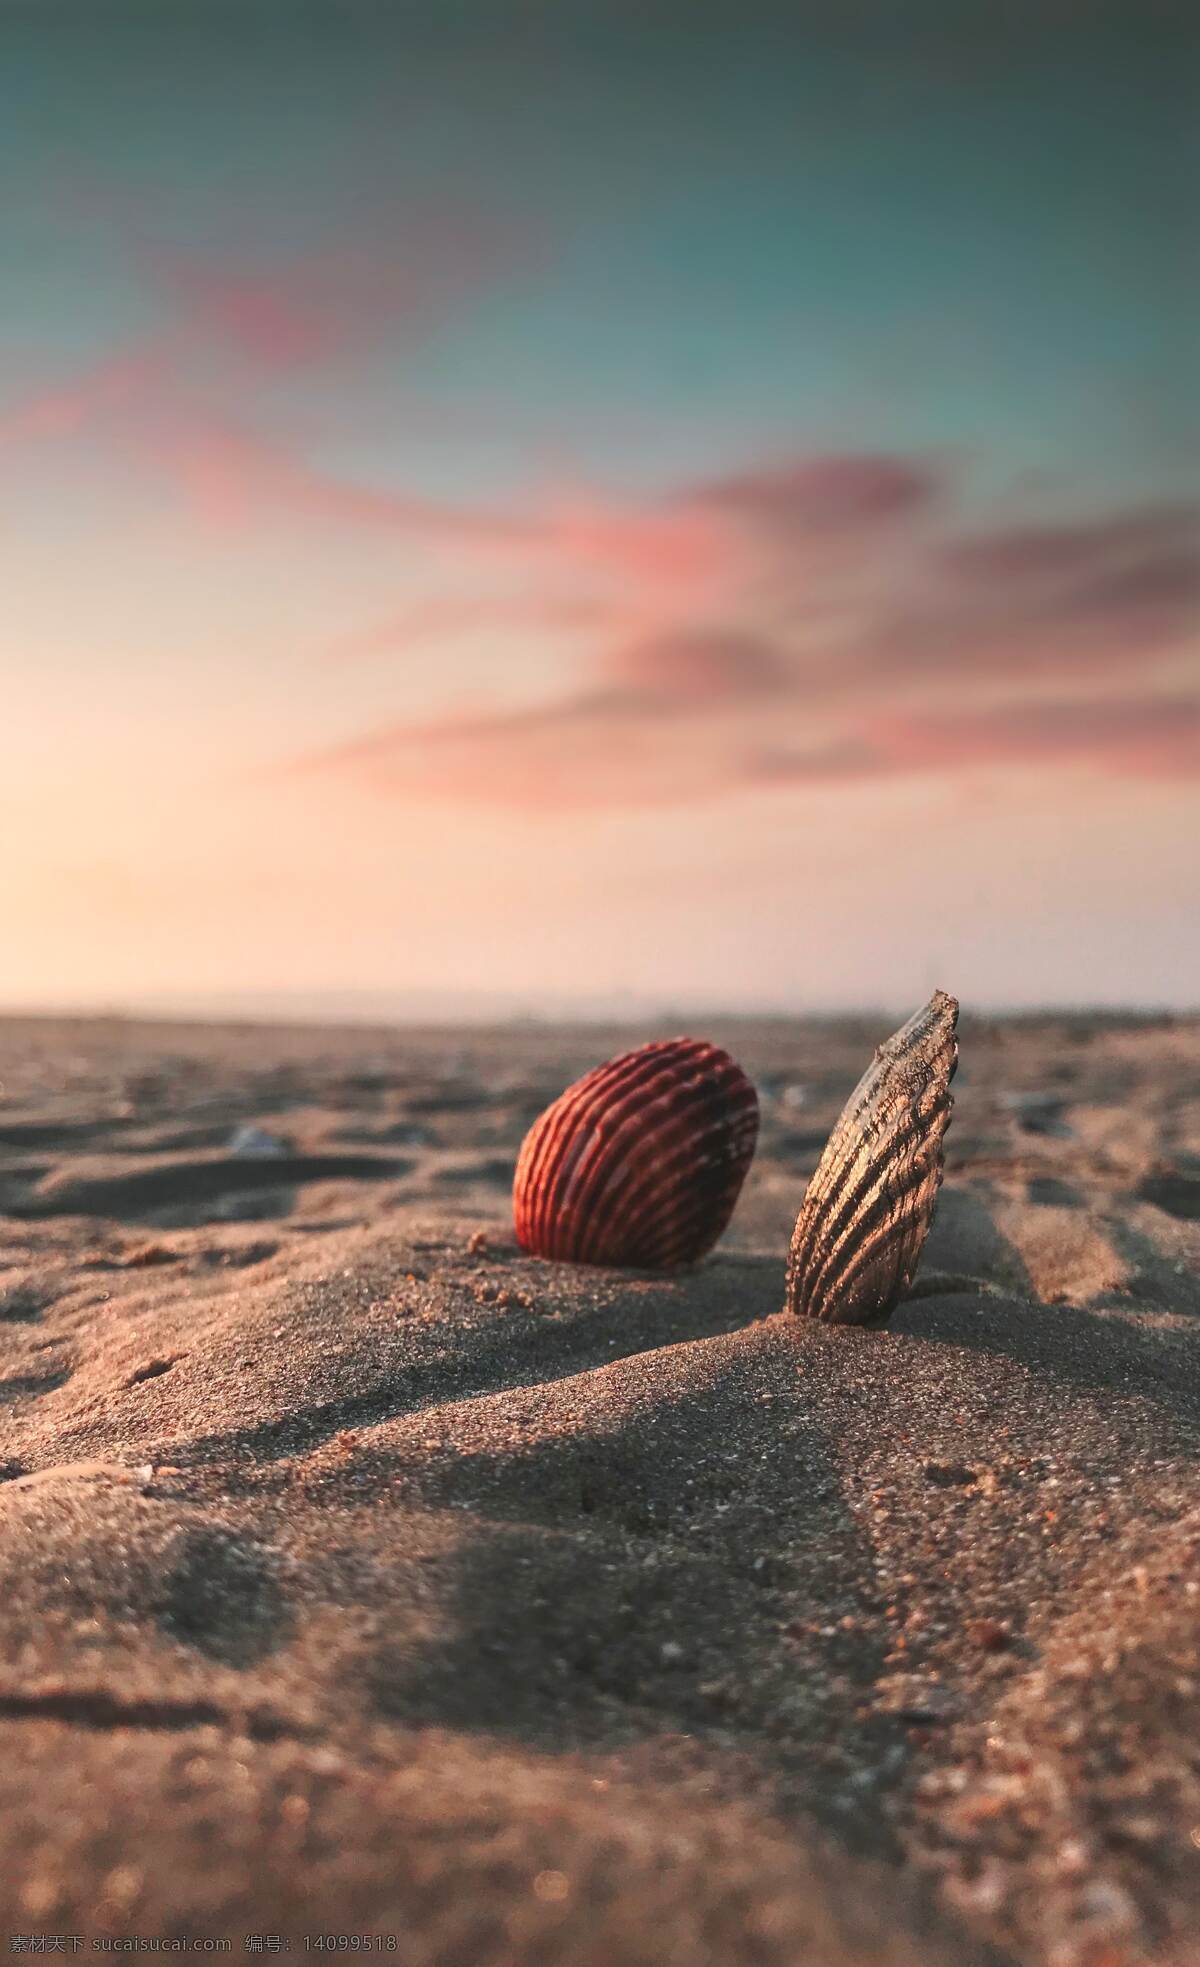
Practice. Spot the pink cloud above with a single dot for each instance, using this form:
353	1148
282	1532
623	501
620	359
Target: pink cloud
426	266
265	317
855	492
96	391
679	562
1162	587
1155	737
443	619
1092	599
662	561
771	626
693	720
1052	553
697	670
234	476
611	751
650	732
734	681
1143	735
422	269
658	545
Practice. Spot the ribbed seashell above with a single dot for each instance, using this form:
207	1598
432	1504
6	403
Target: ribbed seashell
641	1161
868	1207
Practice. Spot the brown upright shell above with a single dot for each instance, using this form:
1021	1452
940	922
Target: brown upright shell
641	1161
868	1207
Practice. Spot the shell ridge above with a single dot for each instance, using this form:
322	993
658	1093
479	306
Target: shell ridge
859	1206
554	1214
641	1159
874	1246
656	1170
629	1125
549	1131
683	1151
907	1187
694	1176
689	1205
866	1211
850	1182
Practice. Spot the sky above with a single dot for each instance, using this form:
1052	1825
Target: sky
561	507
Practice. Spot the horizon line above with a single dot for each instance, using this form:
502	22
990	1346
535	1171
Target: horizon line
465	1012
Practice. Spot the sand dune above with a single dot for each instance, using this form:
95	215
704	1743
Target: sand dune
362	1575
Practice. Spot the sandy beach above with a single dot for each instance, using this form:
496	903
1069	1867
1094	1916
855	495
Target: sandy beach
361	1575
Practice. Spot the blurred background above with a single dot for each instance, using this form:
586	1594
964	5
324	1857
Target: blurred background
572	509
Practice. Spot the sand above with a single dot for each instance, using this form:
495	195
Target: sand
359	1575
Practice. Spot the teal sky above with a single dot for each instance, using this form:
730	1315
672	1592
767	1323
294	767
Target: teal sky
864	225
538	352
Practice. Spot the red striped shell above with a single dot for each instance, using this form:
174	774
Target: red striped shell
641	1161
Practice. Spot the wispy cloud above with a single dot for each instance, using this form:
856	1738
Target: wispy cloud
821	495
95	391
1037	556
1157	736
234	476
427	265
941	652
259	317
696	672
802	619
608	751
1099	597
439	622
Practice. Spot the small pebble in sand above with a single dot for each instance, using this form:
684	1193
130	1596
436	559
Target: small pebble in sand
146	1255
989	1635
122	1886
921	1703
153	1369
40	1896
552	1887
477	1243
950	1475
1107	1907
256	1144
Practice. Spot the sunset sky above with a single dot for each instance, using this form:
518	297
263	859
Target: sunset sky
534	506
